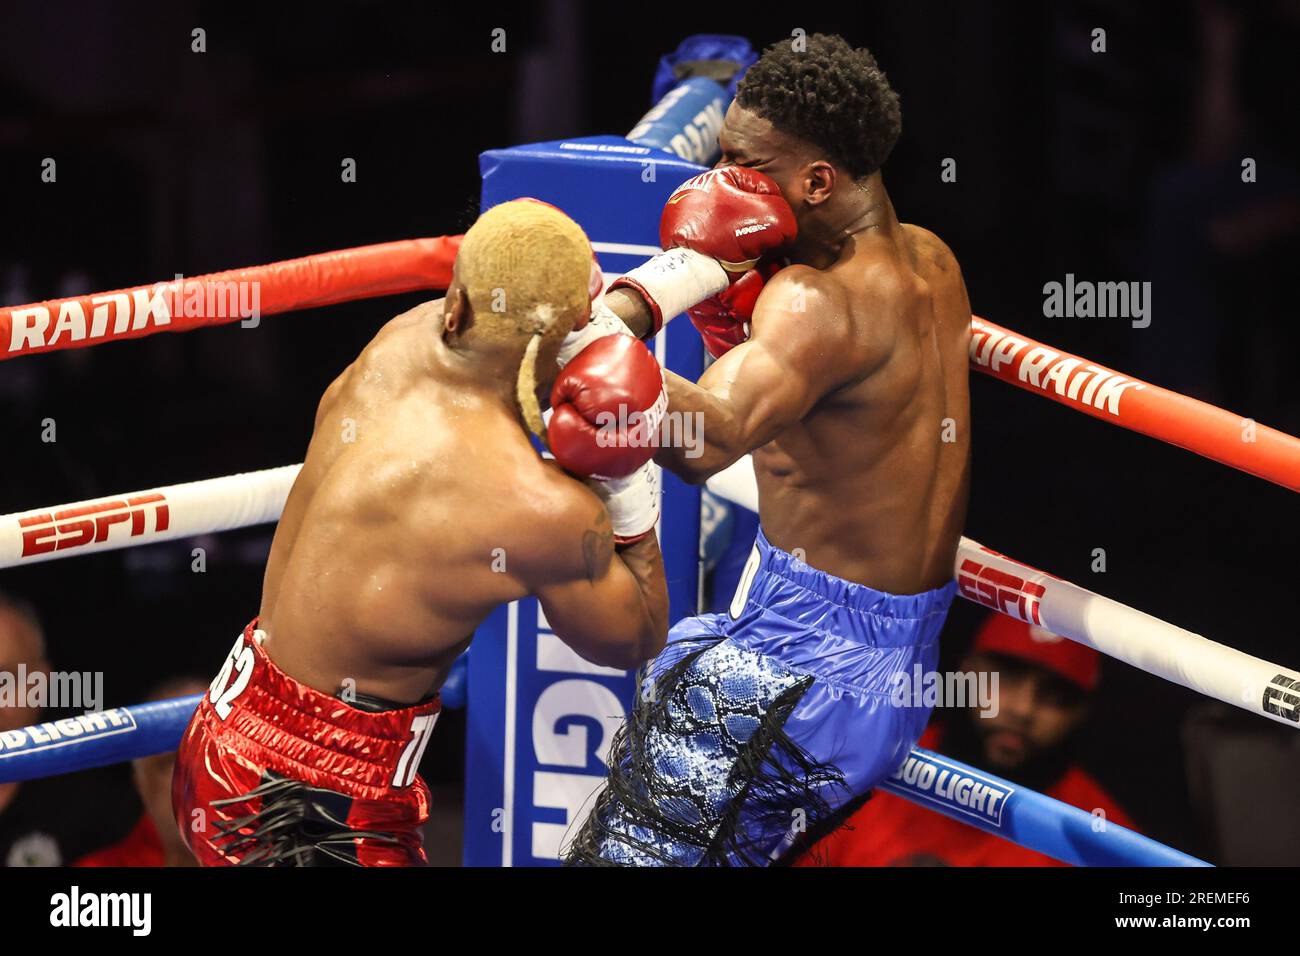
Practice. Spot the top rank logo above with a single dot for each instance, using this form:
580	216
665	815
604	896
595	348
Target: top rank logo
1048	370
128	312
91	524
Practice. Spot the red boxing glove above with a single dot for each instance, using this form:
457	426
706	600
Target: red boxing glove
723	320
733	214
606	407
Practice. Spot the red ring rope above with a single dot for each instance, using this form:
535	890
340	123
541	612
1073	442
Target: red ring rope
1136	405
178	306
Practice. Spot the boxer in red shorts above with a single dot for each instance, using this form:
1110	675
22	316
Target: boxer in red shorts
421	507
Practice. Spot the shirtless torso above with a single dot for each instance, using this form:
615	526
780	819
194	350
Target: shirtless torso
872	483
852	393
421	506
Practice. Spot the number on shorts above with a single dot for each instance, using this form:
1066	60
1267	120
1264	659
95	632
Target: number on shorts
239	660
409	764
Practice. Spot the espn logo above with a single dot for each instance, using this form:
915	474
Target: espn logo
90	524
1000	590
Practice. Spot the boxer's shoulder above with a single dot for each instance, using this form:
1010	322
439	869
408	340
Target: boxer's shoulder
799	276
811	320
893	275
827	305
556	497
398	342
930	248
558	525
801	290
331	395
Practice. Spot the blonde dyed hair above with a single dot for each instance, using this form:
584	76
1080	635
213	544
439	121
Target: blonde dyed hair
525	267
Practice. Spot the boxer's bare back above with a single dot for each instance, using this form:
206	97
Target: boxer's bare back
421	507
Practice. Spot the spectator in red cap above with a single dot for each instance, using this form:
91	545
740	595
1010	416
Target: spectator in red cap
1045	687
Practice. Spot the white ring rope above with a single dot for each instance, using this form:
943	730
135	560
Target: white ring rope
984	577
1127	634
144	517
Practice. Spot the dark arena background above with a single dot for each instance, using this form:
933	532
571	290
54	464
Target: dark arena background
1120	166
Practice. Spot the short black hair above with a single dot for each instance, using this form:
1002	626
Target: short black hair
827	93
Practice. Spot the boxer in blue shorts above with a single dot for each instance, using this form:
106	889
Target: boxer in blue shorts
840	337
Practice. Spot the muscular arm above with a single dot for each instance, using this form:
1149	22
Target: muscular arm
800	350
609	603
632	309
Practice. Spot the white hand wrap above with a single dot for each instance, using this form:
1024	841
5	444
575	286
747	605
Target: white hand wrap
675	280
632	502
603	322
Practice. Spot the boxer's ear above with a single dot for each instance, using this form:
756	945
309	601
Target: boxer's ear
818	182
455	312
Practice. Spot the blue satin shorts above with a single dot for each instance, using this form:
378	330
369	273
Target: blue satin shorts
755	727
